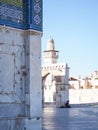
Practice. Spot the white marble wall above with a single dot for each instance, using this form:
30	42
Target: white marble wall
83	96
20	79
78	97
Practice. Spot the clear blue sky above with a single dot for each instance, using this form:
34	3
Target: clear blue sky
73	24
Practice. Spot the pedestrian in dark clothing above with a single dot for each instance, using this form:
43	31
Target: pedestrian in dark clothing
67	105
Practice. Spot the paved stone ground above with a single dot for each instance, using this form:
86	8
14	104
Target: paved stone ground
84	118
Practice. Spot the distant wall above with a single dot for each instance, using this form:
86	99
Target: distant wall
83	96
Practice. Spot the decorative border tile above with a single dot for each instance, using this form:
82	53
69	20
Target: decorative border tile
23	14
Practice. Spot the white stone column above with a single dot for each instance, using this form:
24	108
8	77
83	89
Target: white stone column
33	82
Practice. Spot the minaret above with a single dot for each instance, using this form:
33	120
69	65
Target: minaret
50	55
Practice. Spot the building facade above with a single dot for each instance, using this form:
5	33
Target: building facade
55	76
84	90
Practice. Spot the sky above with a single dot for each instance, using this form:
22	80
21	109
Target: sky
73	24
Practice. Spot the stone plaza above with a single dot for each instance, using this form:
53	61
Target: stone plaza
75	118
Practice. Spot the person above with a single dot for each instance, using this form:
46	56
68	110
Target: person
67	105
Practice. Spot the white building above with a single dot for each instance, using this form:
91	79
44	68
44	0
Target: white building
84	90
55	77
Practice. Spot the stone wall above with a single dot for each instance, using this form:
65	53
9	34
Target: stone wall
20	79
83	96
79	97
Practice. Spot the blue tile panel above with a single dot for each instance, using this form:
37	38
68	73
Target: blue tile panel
22	14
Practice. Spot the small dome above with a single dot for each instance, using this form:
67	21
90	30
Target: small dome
50	44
